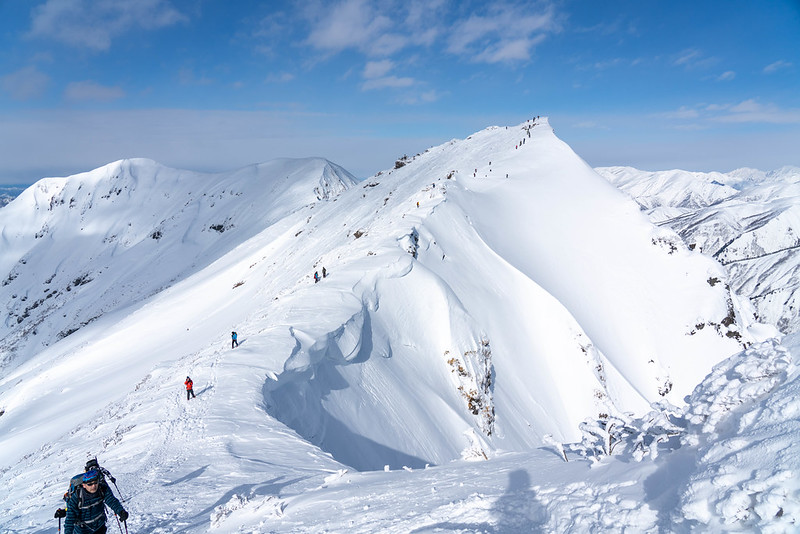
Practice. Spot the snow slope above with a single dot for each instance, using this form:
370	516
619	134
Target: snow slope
479	296
748	220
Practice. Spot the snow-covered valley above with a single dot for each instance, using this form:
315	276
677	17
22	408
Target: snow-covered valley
483	302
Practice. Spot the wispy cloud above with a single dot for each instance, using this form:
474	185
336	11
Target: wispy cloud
279	77
376	69
505	33
502	33
726	76
25	84
746	111
507	51
376	28
694	59
414	98
356	24
755	112
681	113
92	91
187	76
93	25
388	81
376	74
776	66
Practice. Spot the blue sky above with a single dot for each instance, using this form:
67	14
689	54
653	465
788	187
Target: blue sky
214	85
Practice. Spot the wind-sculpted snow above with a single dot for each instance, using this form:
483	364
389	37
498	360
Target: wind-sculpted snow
744	419
752	226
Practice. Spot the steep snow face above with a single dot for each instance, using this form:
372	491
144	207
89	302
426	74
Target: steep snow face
523	293
77	248
754	232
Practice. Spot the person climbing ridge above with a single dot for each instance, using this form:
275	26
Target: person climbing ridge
189	388
234	340
316	277
87	498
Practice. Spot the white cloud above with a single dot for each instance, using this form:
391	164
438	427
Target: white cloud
376	69
187	76
607	64
778	65
505	34
425	97
694	59
92	91
387	82
726	76
375	28
377	76
508	51
682	113
25	84
748	106
350	24
282	77
747	111
687	57
93	24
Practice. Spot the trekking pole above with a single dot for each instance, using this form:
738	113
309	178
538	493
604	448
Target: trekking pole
108	508
113	481
121	498
58	515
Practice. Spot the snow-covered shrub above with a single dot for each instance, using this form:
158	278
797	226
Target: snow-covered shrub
663	423
639	437
601	436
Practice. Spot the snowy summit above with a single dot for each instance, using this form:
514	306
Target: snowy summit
420	351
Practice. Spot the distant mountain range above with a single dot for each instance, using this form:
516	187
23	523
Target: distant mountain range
748	220
10	192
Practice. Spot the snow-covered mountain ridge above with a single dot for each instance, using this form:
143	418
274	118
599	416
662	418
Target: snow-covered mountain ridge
748	220
478	296
132	228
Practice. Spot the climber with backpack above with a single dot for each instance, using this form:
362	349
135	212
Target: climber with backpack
86	499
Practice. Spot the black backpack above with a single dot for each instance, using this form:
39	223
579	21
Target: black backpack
76	482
